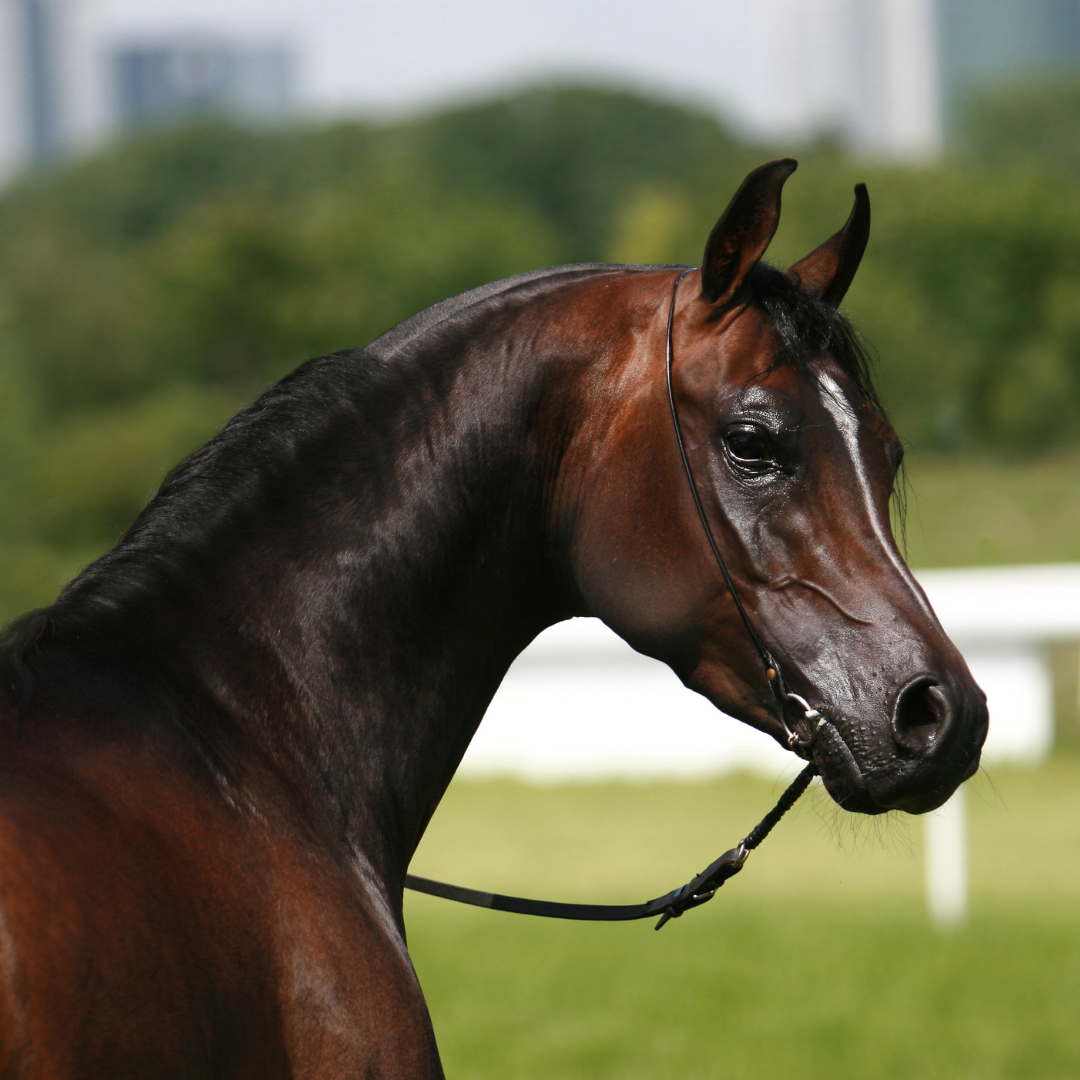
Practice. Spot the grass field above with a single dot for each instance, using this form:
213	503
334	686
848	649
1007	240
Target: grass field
818	961
983	512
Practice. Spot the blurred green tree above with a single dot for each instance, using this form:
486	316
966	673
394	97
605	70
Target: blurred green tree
574	154
149	290
1032	123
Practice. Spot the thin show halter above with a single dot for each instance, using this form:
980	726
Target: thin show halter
773	671
703	887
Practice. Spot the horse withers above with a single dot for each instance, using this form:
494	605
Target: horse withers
221	745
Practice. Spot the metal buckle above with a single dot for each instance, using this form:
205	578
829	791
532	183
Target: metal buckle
704	887
813	719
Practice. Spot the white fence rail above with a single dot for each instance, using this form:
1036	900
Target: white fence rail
580	703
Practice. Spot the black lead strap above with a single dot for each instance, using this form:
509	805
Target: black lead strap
670	906
702	888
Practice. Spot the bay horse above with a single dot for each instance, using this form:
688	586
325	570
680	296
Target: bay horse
222	743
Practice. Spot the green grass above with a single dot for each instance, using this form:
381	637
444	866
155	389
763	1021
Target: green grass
817	961
983	512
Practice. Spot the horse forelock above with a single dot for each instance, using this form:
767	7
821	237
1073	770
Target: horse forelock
810	328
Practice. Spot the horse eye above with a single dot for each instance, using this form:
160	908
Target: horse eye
748	446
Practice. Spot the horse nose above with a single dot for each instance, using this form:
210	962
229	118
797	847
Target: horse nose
924	716
939	725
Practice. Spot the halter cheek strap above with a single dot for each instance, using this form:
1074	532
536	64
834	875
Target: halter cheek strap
773	672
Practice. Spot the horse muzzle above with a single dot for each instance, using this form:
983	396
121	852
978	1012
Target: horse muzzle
911	759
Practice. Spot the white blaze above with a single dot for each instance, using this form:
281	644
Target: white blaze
847	424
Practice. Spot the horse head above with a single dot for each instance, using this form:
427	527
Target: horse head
794	463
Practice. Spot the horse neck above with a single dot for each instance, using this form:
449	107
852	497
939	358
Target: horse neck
342	580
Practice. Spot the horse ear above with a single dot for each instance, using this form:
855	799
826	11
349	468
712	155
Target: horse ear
742	234
829	269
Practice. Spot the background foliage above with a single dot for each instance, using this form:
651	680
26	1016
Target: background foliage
147	292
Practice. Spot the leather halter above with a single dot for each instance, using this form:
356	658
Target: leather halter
773	672
702	888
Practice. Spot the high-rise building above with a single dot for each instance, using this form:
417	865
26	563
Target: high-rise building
29	109
42	106
863	71
988	41
70	78
885	76
184	77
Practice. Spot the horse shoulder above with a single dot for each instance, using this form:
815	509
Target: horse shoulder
145	919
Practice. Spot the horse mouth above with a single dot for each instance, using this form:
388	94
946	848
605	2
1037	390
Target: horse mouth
915	787
840	772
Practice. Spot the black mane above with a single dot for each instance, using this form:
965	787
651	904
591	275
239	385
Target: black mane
371	389
374	385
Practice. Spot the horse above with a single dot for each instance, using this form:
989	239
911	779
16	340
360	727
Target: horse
223	741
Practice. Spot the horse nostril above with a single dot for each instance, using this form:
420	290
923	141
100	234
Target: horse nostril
922	713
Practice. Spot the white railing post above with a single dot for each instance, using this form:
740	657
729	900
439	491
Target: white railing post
947	863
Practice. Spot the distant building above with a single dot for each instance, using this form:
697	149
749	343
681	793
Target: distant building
170	80
73	75
896	109
987	41
42	106
864	72
885	76
29	109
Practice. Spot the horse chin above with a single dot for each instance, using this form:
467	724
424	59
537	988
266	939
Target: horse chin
840	773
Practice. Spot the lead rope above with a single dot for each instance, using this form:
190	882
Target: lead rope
697	891
702	888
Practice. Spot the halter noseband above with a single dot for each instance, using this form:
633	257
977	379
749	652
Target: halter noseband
773	671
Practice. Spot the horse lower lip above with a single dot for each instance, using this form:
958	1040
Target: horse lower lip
924	788
841	775
855	792
912	794
859	802
922	805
